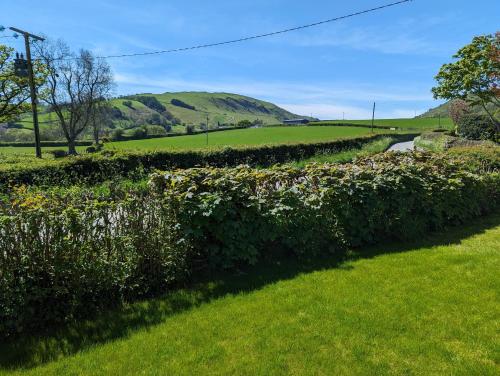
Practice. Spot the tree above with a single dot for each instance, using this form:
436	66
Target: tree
475	76
458	109
76	85
101	116
14	90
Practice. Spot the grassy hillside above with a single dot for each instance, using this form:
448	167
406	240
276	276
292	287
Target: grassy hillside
444	111
175	111
221	107
423	308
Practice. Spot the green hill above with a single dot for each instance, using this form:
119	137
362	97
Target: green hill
193	108
161	113
444	111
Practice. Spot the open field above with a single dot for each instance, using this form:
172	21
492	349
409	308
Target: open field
243	137
240	137
429	307
413	123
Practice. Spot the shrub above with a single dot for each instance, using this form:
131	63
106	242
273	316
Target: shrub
127	104
244	123
179	103
98	168
458	109
59	153
151	102
477	127
68	253
189	129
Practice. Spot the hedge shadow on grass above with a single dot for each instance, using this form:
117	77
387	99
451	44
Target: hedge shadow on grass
31	351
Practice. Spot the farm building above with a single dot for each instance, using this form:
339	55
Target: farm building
296	121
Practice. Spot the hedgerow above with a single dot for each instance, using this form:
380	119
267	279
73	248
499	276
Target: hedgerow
107	165
68	253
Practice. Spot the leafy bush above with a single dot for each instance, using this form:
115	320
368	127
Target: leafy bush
99	167
59	153
244	123
128	104
477	127
67	253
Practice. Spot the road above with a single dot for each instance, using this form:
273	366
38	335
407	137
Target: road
403	146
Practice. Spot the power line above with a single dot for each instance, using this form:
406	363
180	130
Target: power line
258	36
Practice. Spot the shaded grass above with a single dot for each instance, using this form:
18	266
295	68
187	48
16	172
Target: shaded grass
427	307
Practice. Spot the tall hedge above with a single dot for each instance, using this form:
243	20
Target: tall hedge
108	165
68	253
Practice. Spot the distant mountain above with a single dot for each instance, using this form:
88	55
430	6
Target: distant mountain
222	108
444	111
158	114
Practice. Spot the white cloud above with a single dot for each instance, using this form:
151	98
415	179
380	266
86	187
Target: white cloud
279	91
322	101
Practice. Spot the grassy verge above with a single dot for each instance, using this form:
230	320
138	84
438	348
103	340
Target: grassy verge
428	307
374	147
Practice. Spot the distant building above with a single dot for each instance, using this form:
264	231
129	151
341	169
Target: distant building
296	121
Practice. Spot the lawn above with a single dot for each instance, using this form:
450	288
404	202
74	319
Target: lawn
242	137
411	123
429	307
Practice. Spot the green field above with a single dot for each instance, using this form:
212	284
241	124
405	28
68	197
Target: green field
422	308
412	123
245	137
240	137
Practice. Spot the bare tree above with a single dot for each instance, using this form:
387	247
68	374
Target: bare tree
75	86
101	116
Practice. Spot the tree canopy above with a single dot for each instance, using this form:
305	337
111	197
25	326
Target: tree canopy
474	76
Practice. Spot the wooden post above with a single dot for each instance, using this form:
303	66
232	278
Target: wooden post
206	130
373	116
31	77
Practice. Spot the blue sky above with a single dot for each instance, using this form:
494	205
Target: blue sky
390	56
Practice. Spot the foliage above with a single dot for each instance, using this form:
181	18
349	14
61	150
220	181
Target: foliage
111	164
475	75
179	103
67	253
477	127
150	101
245	123
75	86
458	109
14	90
406	304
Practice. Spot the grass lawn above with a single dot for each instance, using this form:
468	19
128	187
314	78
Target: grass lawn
412	123
243	137
429	307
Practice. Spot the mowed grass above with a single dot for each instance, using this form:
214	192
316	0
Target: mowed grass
425	308
245	137
410	123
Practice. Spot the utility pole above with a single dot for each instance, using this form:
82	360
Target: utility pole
31	77
206	130
373	116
